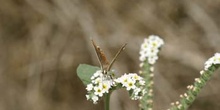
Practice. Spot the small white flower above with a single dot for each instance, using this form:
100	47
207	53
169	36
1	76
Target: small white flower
152	59
136	91
87	97
95	99
130	85
124	80
155	38
98	91
105	87
142	82
142	58
97	74
89	87
213	60
144	45
136	77
217	58
97	80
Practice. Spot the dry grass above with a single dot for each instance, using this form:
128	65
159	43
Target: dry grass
42	42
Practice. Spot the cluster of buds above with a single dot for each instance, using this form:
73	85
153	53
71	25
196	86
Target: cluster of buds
150	48
177	104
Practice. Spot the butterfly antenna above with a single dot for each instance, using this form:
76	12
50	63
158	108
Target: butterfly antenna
113	60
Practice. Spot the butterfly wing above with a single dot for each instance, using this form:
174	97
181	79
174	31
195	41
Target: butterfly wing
113	60
101	57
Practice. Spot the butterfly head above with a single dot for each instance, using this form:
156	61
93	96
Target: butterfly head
104	72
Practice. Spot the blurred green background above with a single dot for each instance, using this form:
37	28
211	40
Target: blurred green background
43	41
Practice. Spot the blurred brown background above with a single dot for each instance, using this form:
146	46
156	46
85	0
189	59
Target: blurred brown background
43	41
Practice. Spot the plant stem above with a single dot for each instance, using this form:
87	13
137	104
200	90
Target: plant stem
107	101
146	103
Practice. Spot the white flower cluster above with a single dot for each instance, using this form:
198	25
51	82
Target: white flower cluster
100	85
150	49
134	84
213	60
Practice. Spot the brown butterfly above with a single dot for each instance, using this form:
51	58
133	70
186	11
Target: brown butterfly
105	65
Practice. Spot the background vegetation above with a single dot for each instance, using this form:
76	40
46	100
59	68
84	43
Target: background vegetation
43	41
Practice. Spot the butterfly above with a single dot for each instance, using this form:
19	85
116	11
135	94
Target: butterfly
104	64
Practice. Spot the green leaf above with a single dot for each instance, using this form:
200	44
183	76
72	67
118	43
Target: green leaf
85	72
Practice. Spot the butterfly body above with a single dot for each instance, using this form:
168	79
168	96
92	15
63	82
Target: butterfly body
104	64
